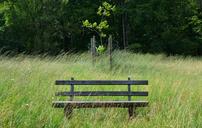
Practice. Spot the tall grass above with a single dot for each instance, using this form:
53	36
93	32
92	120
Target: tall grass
27	90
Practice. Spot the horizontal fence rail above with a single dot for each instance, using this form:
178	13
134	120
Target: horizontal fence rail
101	82
102	93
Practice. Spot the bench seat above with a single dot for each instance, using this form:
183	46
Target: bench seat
97	104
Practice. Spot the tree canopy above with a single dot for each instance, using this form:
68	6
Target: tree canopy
51	26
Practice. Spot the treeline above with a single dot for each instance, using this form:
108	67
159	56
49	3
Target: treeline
51	26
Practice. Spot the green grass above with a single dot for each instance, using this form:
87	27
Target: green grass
27	90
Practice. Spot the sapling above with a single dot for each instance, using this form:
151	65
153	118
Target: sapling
104	11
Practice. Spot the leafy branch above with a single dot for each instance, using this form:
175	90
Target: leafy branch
104	11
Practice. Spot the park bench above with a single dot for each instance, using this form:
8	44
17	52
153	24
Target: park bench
70	104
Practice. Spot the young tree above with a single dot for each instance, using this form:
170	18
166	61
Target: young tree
104	11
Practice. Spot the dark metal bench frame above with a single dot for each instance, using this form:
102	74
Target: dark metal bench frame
70	104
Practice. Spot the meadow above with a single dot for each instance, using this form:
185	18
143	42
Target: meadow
27	90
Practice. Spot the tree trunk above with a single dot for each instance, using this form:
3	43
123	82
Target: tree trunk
123	31
124	27
200	4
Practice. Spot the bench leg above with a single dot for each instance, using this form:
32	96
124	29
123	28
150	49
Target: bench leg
68	110
131	112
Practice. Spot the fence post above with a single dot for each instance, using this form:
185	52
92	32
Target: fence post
110	51
93	52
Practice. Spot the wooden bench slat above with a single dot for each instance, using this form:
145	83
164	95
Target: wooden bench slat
98	104
102	93
101	82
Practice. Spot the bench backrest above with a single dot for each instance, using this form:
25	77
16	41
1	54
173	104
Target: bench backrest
128	93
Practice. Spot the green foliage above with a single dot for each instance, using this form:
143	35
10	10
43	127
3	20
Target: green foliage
196	22
106	9
100	49
34	25
162	26
136	47
103	11
99	27
51	26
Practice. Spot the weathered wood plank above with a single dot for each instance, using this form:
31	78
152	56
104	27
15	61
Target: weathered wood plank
102	93
98	104
101	82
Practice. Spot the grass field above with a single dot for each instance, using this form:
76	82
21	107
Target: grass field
27	90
